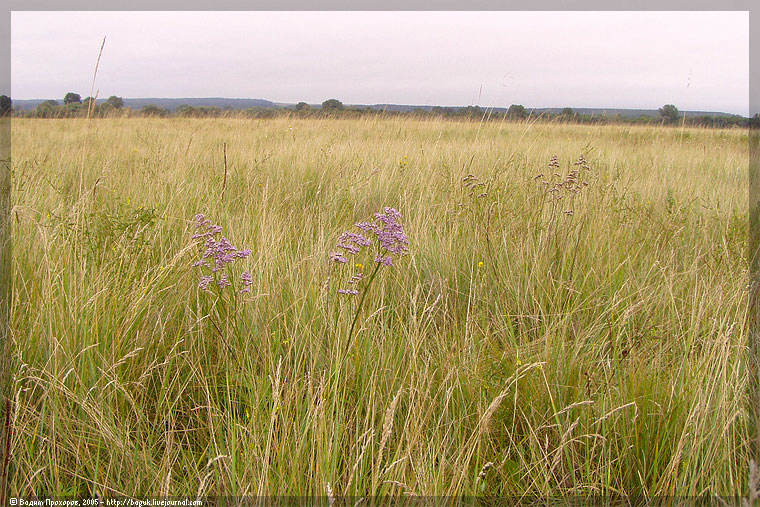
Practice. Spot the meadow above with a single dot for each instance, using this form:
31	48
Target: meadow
569	317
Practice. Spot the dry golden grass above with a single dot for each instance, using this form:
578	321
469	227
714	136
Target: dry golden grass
592	344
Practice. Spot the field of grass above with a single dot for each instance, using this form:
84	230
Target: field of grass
547	334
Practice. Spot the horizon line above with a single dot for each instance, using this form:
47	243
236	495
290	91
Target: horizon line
654	108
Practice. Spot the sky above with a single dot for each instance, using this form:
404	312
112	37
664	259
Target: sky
695	60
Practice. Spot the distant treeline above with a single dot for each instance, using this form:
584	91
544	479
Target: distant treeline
75	107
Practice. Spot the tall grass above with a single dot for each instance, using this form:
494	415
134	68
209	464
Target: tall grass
527	345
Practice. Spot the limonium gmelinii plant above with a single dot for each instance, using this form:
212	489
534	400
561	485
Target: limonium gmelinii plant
217	257
385	235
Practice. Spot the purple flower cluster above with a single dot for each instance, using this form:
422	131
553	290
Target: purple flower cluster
352	242
384	259
205	281
224	281
387	230
247	281
337	257
389	233
391	241
220	252
201	222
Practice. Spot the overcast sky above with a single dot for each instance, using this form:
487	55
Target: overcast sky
695	60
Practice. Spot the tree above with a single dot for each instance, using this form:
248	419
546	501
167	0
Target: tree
47	109
567	111
154	110
71	98
669	113
89	102
73	109
332	105
185	110
517	111
303	106
5	105
104	109
116	102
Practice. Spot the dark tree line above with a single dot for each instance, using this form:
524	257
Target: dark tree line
74	106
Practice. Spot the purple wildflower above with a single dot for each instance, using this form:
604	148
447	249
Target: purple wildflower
388	231
387	260
205	281
247	281
391	241
352	242
223	253
391	236
210	231
218	253
202	222
368	227
389	216
336	257
224	281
